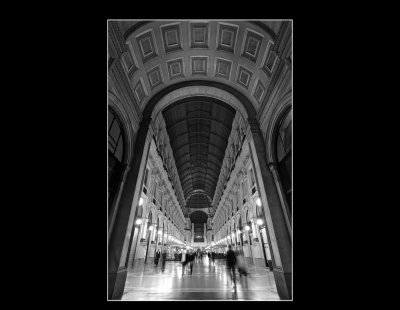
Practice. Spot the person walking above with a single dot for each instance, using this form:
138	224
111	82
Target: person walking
230	264
157	257
241	266
191	259
183	260
164	259
213	257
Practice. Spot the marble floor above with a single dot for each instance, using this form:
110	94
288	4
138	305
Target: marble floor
207	282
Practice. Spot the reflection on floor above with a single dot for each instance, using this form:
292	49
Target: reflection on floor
208	282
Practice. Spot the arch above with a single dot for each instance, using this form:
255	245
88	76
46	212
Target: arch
283	106
139	24
128	129
217	90
199	192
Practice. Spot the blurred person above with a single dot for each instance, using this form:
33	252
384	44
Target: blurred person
157	257
184	260
213	257
241	266
191	259
164	259
230	264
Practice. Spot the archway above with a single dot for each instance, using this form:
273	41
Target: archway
273	212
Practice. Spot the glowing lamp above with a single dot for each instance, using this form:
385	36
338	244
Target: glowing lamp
150	228
260	222
258	202
140	201
138	221
247	227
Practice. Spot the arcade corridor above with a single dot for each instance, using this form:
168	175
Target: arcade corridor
207	282
199	158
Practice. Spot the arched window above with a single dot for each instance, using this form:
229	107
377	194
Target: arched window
115	154
284	155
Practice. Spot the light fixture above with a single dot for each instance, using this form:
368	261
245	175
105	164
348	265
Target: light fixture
138	221
150	228
260	222
140	201
160	232
247	227
258	202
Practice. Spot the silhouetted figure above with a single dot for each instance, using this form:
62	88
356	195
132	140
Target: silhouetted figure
164	259
157	258
184	260
191	259
213	257
230	264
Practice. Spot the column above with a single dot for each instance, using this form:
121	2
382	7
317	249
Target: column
115	203
278	232
121	236
273	169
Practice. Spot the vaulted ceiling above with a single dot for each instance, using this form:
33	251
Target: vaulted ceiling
161	53
198	130
164	52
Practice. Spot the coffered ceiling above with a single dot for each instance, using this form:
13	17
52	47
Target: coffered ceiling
161	53
237	53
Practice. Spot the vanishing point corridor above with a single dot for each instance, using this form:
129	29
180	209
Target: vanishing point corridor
199	159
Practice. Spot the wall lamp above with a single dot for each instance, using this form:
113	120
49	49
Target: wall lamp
138	221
